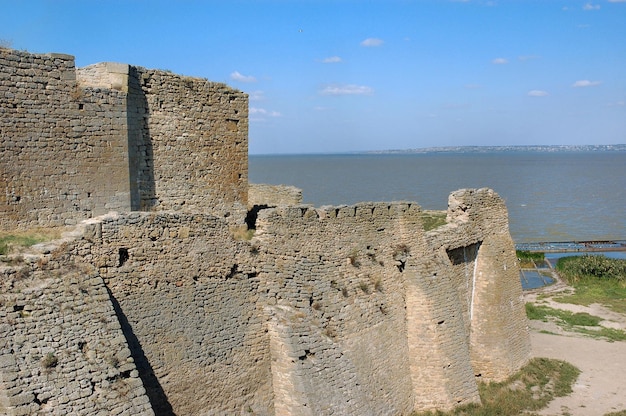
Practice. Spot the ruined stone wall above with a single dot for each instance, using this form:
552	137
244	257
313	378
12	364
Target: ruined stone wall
199	143
113	137
357	317
273	195
55	136
191	297
482	262
62	350
351	310
355	290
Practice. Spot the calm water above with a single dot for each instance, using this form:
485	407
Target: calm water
550	196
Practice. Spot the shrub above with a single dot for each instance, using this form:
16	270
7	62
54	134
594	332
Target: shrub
49	361
591	266
529	255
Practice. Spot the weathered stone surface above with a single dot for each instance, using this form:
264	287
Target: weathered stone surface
262	195
114	137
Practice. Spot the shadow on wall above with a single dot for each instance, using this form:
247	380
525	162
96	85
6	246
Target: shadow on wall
154	391
141	155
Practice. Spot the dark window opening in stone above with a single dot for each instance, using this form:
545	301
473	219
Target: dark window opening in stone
123	256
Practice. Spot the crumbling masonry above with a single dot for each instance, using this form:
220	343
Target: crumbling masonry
160	302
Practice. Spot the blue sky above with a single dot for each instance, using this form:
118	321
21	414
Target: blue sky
337	76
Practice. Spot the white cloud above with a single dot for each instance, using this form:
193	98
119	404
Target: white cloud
263	112
585	83
617	104
590	6
236	76
256	95
348	89
537	93
331	60
372	42
500	61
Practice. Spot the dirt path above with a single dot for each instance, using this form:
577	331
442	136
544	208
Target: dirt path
601	387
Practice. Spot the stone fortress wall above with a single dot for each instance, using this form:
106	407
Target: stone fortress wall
114	137
166	306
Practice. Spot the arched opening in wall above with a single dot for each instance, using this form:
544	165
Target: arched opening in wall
123	256
253	214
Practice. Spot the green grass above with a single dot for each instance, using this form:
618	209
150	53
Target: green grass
529	259
576	322
433	219
528	255
532	388
542	313
9	241
596	279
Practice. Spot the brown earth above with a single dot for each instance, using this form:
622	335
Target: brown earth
601	386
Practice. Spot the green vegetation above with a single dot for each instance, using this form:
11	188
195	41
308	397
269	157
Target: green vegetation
576	322
532	388
596	279
576	268
542	313
14	240
529	259
49	361
433	219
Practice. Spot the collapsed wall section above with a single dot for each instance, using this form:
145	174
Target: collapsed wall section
62	350
63	149
190	298
485	274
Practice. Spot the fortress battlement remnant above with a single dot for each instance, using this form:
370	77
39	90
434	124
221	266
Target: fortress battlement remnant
115	137
160	302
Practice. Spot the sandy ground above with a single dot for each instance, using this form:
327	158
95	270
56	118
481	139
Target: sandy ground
601	387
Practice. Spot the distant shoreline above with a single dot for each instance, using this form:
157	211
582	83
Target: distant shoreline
468	149
489	149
